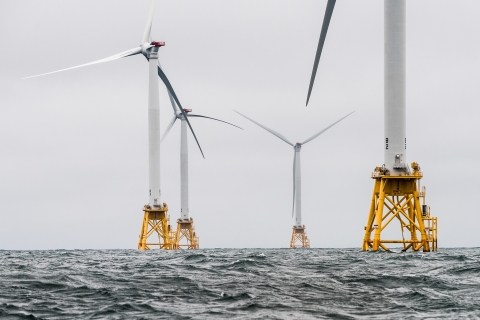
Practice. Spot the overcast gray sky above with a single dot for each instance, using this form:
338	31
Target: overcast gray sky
73	146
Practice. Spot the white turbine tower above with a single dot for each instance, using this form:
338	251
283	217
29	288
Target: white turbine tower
396	186
185	228
299	233
150	49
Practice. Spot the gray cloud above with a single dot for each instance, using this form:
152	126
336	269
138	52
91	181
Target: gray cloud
73	146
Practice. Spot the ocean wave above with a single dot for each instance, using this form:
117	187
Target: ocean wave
244	283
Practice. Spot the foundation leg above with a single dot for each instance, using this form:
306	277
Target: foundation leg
425	243
379	216
371	215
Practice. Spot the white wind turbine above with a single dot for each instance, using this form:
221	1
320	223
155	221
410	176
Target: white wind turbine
184	215
149	49
297	179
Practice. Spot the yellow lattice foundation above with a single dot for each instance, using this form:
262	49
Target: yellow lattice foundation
155	222
299	238
185	237
398	198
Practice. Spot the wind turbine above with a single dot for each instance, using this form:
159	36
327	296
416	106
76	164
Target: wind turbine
185	228
299	233
155	212
395	185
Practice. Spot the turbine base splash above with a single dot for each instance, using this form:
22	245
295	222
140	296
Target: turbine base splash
399	197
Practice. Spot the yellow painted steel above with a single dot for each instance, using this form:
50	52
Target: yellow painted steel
155	221
398	198
185	237
299	238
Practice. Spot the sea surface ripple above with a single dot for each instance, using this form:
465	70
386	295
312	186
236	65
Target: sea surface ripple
239	284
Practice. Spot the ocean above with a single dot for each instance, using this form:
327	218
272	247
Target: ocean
240	284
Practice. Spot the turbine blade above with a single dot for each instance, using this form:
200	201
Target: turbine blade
164	78
172	102
317	134
148	28
124	54
321	41
199	116
294	173
278	135
170	125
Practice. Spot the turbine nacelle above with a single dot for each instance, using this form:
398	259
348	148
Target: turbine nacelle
179	115
157	44
187	114
152	47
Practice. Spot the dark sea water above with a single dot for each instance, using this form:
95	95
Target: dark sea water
239	284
